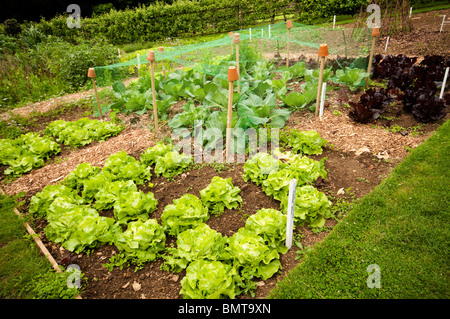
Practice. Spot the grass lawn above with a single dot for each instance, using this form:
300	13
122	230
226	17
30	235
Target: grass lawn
24	272
403	227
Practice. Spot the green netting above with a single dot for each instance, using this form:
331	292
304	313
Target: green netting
348	47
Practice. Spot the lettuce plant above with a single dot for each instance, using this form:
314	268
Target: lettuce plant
209	280
311	206
220	193
109	192
40	203
79	228
270	224
142	241
124	167
303	142
259	167
151	154
185	212
81	173
250	252
172	164
201	242
133	205
302	168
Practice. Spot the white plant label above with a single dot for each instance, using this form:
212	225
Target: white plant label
322	98
441	95
290	213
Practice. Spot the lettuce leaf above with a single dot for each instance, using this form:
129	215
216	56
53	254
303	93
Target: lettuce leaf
111	191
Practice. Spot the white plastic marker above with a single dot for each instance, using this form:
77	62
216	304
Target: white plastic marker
410	12
322	98
334	21
443	83
138	61
387	42
442	25
290	213
250	32
118	50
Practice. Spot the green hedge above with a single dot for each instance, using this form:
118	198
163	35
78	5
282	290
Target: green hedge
183	18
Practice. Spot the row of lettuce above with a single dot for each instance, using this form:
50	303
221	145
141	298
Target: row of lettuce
216	266
31	150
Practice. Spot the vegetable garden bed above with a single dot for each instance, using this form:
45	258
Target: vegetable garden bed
358	156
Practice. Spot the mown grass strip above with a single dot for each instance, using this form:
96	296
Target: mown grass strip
402	227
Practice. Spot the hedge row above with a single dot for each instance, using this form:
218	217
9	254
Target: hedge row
159	21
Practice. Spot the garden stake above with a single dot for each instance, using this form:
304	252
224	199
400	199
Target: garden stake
375	34
139	62
334	21
237	40
323	53
442	25
231	34
161	51
441	95
387	42
288	26
91	74
232	76
151	59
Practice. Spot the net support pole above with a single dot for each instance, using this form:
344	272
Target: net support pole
91	74
151	59
323	53
289	27
161	51
232	76
375	34
237	40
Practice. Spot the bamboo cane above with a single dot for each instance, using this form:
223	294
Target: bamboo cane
232	76
323	53
237	40
375	34
161	51
288	26
151	59
91	74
